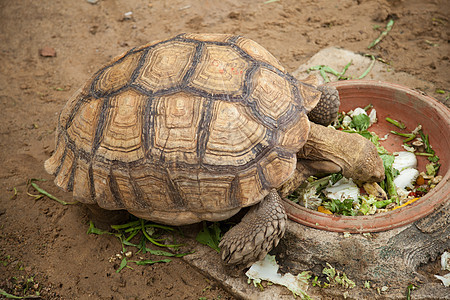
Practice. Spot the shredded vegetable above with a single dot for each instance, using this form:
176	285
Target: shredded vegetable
403	183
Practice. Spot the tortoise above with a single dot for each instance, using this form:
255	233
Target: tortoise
195	128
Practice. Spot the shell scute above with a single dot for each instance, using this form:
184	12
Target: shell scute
192	184
65	173
251	186
117	75
256	51
272	94
234	137
122	136
177	120
82	184
277	167
153	190
220	70
104	187
165	66
84	124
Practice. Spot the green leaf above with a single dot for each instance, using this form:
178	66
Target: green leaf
45	193
125	226
165	253
123	264
408	136
339	207
389	185
9	296
382	203
336	177
410	288
210	236
93	230
360	122
369	68
396	123
150	262
432	169
383	34
364	208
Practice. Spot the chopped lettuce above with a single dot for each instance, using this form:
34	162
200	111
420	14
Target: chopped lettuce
343	189
360	122
388	183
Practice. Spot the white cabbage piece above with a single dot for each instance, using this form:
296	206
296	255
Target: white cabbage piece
310	199
346	121
416	130
358	111
406	178
373	116
267	269
384	137
404	160
445	261
343	189
445	279
408	148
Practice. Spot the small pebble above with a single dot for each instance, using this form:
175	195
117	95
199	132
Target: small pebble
47	52
128	15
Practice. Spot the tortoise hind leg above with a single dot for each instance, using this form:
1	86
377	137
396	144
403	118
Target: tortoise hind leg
259	231
326	110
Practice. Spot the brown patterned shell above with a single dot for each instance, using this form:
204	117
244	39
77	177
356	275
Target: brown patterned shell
183	130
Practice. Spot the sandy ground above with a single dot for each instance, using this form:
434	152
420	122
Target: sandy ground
43	245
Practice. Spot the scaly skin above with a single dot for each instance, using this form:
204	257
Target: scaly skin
258	232
328	150
326	110
356	156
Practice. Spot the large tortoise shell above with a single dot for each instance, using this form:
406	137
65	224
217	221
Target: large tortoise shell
178	131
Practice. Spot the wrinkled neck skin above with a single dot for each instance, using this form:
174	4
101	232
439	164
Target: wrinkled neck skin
328	150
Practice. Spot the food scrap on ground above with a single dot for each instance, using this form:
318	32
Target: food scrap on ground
445	266
267	269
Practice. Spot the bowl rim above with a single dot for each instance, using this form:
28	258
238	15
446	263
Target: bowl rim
429	203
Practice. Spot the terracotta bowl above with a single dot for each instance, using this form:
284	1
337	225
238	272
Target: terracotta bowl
412	108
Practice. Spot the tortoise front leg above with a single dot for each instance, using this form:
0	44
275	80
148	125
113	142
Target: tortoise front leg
259	231
326	110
